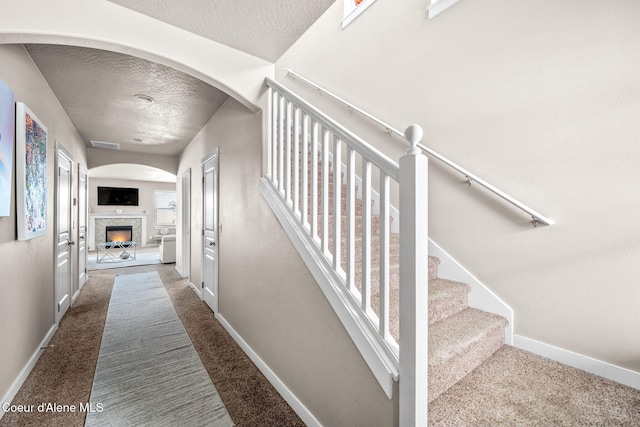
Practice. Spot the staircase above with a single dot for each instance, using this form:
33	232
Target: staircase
347	244
460	337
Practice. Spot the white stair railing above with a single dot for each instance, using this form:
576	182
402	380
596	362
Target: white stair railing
306	152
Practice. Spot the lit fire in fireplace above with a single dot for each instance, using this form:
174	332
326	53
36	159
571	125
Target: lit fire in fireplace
118	233
119	236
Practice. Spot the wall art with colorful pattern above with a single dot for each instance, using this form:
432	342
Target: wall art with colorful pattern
31	174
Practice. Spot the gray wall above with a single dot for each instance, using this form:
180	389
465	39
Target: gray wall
27	302
538	98
266	292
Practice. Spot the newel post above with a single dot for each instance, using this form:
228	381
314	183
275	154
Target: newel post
414	299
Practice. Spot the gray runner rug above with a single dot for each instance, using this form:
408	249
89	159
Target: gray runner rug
148	371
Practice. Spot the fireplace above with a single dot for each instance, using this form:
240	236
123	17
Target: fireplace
119	233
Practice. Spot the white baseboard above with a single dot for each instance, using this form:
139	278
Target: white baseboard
196	290
295	403
75	296
593	366
178	270
22	377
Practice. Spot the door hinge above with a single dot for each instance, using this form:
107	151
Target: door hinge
202	285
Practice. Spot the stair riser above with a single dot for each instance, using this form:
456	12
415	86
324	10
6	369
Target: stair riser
443	308
442	377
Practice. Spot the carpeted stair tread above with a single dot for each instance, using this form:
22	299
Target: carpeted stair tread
460	343
446	297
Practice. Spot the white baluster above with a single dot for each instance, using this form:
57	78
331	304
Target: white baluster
305	171
325	193
287	183
296	162
281	119
337	201
384	255
314	180
272	134
351	218
366	235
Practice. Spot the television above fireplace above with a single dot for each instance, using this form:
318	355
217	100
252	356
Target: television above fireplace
117	196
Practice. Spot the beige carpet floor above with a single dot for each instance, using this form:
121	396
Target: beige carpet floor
64	374
512	388
518	388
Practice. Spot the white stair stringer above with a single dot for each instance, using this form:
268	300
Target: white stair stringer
381	359
480	296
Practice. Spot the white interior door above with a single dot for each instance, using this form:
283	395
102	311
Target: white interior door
186	224
82	226
210	231
64	227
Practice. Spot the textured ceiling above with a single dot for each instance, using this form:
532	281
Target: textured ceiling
97	90
265	29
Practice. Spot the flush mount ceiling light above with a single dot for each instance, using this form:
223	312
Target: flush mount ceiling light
144	98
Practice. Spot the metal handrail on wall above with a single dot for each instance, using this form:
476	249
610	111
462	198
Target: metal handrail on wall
536	217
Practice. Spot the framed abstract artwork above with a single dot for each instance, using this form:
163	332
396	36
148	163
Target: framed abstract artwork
7	138
31	174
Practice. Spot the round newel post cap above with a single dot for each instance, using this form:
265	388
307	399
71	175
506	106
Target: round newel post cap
413	134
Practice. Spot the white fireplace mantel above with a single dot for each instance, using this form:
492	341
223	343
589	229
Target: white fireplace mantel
92	226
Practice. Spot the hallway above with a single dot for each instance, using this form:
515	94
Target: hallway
64	374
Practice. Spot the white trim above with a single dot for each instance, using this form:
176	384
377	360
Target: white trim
196	290
83	215
480	296
296	404
352	12
177	269
382	366
213	156
589	364
22	377
62	151
75	296
185	224
438	6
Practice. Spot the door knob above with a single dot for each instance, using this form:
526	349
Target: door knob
212	243
70	242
